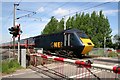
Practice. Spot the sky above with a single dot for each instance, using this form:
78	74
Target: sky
33	24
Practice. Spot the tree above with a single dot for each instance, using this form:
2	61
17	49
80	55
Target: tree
51	26
116	39
95	25
60	25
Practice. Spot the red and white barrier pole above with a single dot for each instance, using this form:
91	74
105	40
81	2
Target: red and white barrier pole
115	69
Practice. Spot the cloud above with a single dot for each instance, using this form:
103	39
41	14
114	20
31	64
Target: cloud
41	9
110	12
114	31
61	12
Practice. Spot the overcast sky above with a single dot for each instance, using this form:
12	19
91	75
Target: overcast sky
33	25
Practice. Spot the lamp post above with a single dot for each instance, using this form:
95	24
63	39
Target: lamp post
104	45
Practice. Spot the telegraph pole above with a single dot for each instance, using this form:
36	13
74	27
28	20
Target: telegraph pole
65	37
14	17
14	36
64	23
104	45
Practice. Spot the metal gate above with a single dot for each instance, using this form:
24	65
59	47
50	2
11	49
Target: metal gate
74	69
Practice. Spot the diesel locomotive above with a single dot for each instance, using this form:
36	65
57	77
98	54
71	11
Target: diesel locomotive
69	43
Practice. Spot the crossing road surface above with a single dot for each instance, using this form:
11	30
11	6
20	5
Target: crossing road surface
60	70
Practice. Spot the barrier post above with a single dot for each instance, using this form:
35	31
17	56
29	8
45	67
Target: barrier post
23	58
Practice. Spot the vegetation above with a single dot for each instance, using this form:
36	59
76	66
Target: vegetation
116	45
10	66
98	52
112	54
95	25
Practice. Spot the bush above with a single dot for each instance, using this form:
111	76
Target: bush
112	54
97	52
10	66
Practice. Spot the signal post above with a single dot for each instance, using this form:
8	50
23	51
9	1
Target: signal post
15	31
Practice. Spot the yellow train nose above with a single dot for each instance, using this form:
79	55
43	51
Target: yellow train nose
88	45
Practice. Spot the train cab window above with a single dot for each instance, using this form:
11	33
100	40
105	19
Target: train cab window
67	39
82	35
72	37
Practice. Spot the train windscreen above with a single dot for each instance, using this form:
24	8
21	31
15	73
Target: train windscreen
82	35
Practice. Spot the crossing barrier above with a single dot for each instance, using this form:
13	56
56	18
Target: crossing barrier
75	68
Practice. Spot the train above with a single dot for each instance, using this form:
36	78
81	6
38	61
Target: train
69	43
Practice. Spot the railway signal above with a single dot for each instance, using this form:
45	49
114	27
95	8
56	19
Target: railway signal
18	30
12	30
15	31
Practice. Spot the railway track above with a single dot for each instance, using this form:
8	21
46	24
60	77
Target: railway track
108	60
95	59
48	72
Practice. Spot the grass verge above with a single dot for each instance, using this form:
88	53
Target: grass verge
10	66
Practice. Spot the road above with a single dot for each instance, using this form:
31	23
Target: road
60	70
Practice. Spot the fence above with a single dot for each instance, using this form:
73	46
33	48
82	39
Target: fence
101	52
73	69
8	54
